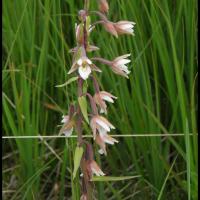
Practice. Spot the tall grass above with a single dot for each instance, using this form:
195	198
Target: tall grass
159	97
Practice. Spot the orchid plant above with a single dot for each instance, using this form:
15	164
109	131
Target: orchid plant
85	67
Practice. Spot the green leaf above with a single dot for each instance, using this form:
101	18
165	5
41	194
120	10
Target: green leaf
85	86
88	22
68	82
165	181
77	159
83	105
113	178
77	55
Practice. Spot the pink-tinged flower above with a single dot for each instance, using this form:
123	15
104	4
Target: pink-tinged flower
124	27
101	144
118	65
109	26
84	66
119	28
103	6
68	126
101	97
95	169
107	138
102	138
101	124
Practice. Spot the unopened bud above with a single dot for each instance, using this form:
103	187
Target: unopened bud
82	14
103	6
109	26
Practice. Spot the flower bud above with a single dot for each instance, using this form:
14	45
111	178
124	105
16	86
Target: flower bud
103	6
79	34
109	26
82	14
124	27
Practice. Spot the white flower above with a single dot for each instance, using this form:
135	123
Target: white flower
119	28
101	97
101	124
65	119
107	138
119	65
84	66
102	138
96	169
101	151
67	128
124	27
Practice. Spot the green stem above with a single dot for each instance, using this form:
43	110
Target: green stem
87	5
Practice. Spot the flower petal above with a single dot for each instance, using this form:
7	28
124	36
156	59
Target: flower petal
126	26
103	124
93	125
95	68
96	169
106	122
65	119
101	130
101	151
107	98
89	61
126	22
130	30
84	71
108	139
102	111
123	61
108	94
121	57
109	26
73	68
80	61
68	132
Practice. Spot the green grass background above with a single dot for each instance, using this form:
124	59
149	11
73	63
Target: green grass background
160	97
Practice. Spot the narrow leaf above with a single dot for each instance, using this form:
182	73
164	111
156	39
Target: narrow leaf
112	178
77	159
83	105
68	82
165	181
88	22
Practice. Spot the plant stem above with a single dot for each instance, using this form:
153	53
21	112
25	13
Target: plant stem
96	85
86	185
86	5
93	105
79	121
102	60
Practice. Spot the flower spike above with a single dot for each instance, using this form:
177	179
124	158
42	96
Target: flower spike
86	69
